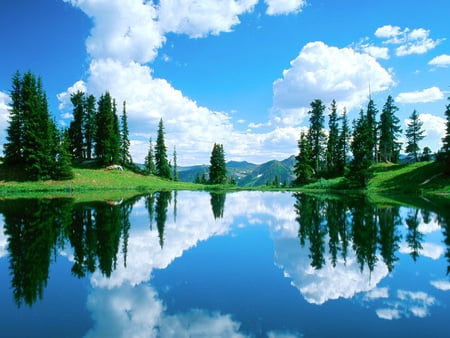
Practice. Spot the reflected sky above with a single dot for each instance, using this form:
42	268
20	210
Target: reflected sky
245	274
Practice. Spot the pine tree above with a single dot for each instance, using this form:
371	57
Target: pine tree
414	134
149	162
76	126
316	134
372	112
333	140
389	147
161	162
362	149
303	168
217	169
13	149
125	157
63	169
90	125
175	167
343	145
107	143
444	156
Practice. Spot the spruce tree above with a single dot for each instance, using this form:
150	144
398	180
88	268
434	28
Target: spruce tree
444	156
107	142
303	167
125	157
149	163
372	112
362	149
343	145
317	134
90	125
333	140
63	170
161	162
389	147
175	166
76	126
13	149
217	169
414	134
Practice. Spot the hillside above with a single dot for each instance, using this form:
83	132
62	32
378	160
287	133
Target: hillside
246	174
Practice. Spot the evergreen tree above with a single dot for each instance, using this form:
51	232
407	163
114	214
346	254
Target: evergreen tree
343	145
445	151
426	155
389	147
303	169
175	167
149	163
333	140
372	112
414	134
90	125
362	150
217	169
76	126
161	162
107	142
63	170
125	157
13	149
316	134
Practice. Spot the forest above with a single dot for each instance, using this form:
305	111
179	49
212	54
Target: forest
37	148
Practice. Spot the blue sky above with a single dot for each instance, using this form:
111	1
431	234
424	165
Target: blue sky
241	73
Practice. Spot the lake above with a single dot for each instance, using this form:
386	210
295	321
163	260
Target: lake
244	264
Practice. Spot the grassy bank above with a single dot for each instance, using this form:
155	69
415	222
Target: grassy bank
415	178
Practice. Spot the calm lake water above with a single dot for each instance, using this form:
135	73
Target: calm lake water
246	264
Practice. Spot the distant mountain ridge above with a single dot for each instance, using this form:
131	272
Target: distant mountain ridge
246	174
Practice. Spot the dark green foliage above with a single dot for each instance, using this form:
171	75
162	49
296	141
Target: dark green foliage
149	164
218	204
32	136
63	170
76	126
389	147
107	143
90	125
217	169
333	152
361	147
125	157
414	134
175	169
426	155
444	156
343	145
303	169
316	134
161	162
372	112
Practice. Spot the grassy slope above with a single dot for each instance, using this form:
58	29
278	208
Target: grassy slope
414	178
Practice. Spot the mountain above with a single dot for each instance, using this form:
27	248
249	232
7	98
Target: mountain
245	173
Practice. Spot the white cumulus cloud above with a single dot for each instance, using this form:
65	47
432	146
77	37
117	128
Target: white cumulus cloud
328	73
421	96
277	7
199	18
440	61
415	41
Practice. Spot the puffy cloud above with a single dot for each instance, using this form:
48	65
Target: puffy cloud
377	293
416	41
4	113
430	250
276	7
328	73
201	17
443	285
421	96
376	52
440	61
64	97
125	30
435	130
407	303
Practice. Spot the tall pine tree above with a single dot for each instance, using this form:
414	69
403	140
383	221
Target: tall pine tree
90	125
161	162
217	169
372	112
333	141
343	145
149	162
444	156
76	126
317	134
414	134
389	147
107	142
303	168
125	157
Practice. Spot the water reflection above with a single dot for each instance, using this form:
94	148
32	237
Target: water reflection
328	248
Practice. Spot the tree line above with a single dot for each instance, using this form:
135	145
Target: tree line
351	151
